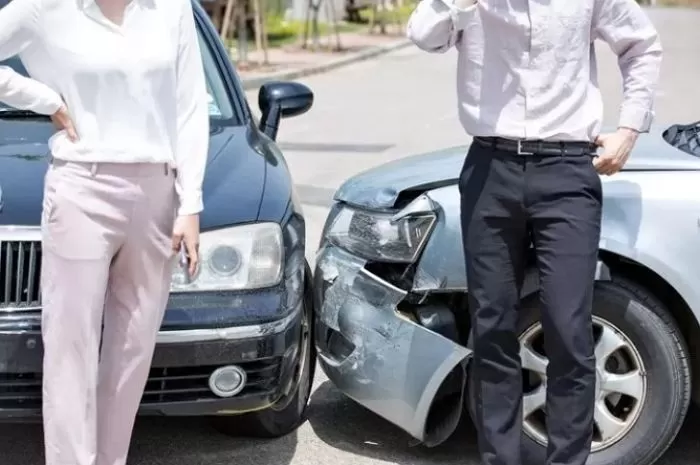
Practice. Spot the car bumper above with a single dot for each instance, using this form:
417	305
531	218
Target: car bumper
378	355
184	359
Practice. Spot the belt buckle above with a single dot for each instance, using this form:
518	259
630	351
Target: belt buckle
520	149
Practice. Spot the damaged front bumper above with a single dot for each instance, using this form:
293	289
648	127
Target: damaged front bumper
381	358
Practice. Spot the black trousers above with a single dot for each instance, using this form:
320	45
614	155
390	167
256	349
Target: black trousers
508	202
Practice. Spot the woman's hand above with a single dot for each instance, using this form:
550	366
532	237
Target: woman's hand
186	232
62	122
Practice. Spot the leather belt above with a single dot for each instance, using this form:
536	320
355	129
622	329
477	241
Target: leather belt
539	147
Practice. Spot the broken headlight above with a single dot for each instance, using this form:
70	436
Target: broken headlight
386	237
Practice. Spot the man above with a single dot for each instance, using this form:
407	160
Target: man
528	94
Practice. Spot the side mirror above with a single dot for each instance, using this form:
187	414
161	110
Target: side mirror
279	100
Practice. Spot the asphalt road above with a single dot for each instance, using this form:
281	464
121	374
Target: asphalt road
365	115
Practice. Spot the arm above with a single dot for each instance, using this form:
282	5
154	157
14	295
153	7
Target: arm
435	25
192	117
631	35
27	94
18	25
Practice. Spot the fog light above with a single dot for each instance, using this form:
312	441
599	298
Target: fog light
227	381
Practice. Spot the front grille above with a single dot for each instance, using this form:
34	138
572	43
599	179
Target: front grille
176	384
20	266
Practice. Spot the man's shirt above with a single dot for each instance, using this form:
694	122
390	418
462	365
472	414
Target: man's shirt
527	69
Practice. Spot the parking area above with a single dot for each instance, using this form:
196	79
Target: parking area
365	115
338	432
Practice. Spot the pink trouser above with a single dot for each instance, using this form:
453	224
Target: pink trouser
107	259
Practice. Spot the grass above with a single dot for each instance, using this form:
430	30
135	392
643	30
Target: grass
281	32
403	12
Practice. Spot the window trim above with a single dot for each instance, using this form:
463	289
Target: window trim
223	64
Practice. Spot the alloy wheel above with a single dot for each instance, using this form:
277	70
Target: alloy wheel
620	384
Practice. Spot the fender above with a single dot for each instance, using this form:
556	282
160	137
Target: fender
381	357
531	283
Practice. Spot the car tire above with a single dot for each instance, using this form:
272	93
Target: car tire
277	420
657	341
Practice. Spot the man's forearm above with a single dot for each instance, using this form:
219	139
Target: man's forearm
634	39
640	66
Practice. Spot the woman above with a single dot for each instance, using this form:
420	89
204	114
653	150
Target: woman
122	194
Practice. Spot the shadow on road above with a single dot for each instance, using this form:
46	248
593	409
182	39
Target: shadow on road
336	420
343	424
162	441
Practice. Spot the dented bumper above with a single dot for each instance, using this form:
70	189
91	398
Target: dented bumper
378	356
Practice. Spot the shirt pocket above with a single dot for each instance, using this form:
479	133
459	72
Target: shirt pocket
563	28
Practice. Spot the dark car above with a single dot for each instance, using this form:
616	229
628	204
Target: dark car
236	338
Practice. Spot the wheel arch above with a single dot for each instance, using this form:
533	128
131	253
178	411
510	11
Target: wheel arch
660	288
616	264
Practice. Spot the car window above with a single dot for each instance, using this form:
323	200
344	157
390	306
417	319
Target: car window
221	108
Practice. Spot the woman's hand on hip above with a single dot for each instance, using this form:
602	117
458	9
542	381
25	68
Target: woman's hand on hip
186	233
61	120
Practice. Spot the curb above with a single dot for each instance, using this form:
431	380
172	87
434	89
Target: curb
254	82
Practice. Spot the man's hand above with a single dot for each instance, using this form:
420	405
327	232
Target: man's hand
62	122
616	150
186	232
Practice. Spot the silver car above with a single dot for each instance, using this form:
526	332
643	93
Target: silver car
392	326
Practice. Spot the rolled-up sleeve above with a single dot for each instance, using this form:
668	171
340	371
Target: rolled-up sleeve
634	39
19	23
435	25
192	117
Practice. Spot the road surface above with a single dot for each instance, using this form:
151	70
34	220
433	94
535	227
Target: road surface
365	115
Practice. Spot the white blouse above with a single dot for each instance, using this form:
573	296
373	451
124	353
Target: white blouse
136	92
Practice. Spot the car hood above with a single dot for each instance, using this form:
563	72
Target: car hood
380	187
234	171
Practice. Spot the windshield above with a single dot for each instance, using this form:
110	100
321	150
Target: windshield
220	108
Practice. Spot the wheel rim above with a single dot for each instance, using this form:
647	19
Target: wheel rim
301	380
621	384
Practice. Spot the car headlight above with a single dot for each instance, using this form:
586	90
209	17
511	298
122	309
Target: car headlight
236	258
381	236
